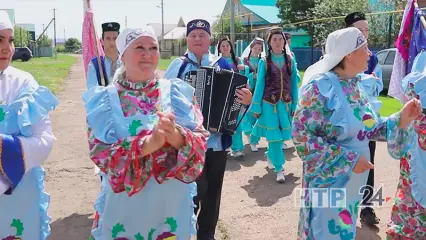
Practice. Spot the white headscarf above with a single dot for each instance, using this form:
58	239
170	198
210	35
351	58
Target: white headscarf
339	44
5	22
249	47
129	35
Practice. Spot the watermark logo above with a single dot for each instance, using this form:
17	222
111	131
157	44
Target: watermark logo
337	197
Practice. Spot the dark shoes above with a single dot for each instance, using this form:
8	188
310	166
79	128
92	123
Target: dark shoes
368	217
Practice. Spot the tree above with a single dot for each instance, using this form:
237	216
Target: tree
72	44
222	27
22	36
45	41
292	11
381	36
333	8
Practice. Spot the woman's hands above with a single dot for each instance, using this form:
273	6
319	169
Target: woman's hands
411	110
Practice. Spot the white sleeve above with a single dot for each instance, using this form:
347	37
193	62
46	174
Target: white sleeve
36	148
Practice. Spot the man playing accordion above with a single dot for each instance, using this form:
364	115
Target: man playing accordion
209	185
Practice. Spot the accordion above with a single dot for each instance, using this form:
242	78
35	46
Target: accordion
215	94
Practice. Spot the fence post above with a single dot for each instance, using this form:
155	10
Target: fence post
390	30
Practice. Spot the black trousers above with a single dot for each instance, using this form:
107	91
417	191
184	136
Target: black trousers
209	188
370	180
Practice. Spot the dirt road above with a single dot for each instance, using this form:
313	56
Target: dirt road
253	207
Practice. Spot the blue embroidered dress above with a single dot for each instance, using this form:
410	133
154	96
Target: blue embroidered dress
148	197
332	125
274	99
26	140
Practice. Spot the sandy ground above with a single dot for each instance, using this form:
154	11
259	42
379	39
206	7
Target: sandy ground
254	207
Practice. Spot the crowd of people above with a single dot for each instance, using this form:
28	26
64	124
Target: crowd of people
161	172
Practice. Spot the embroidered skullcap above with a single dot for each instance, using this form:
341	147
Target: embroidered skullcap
198	24
129	35
5	22
111	27
339	44
353	18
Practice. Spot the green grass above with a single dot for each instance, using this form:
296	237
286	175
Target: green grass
48	71
164	63
390	106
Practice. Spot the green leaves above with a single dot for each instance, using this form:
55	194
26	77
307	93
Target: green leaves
118	228
172	222
302	10
16	223
2	114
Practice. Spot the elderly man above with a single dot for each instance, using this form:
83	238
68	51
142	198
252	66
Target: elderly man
210	183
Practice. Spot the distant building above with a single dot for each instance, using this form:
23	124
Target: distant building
11	13
173	38
158	26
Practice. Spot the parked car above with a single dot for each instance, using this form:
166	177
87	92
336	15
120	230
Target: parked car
22	53
386	58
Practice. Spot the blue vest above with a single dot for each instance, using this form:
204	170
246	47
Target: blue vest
98	73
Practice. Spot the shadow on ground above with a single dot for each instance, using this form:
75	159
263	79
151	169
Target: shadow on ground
367	233
266	191
251	158
73	227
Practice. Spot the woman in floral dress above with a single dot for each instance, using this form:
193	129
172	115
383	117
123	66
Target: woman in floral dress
332	125
408	218
146	136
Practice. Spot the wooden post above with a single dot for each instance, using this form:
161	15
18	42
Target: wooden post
417	5
95	39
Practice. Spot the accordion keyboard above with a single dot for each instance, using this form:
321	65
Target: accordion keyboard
199	83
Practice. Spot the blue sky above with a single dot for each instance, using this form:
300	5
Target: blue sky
69	13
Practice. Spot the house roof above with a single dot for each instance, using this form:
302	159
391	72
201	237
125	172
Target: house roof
157	28
269	13
176	33
260	2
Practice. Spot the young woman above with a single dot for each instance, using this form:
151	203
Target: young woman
146	136
26	140
408	217
251	56
275	98
226	49
332	127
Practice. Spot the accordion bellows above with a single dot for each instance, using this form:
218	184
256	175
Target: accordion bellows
215	94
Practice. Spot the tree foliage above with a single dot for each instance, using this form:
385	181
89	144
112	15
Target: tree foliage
21	36
222	26
72	44
293	11
45	41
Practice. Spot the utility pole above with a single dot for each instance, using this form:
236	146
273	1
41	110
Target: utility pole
65	38
54	31
162	25
231	5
